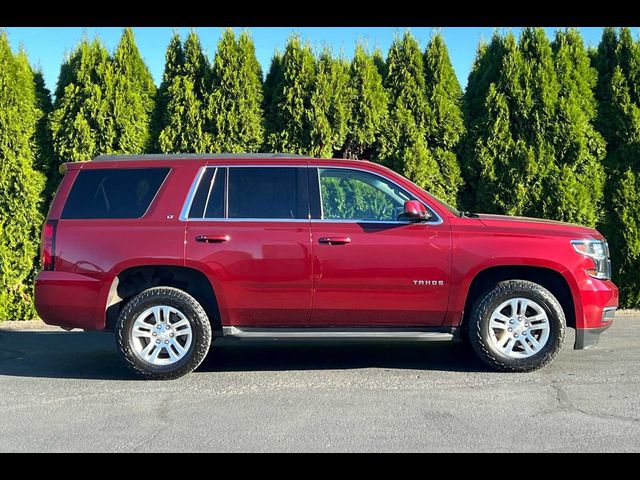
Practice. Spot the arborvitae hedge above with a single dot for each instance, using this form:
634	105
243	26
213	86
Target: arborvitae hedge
21	186
289	111
235	103
618	92
544	128
368	106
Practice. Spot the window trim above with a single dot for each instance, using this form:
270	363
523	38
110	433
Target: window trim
436	218
186	207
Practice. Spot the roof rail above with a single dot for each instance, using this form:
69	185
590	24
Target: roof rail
195	156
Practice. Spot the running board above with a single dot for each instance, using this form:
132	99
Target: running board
410	334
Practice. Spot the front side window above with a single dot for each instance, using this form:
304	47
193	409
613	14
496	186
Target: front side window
360	196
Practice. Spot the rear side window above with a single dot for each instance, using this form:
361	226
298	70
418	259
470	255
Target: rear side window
111	193
267	193
272	193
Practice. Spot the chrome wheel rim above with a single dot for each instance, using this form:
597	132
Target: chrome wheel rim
519	328
161	335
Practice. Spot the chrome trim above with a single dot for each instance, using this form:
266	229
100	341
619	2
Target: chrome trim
272	220
608	314
332	333
211	183
438	218
194	186
186	206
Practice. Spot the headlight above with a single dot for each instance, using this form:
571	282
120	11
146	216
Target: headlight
598	251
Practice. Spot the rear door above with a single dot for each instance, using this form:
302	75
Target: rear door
248	227
369	268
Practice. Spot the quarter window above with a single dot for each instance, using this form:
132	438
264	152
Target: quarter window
361	196
111	193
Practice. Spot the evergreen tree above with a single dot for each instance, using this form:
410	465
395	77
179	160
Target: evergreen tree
575	189
173	62
618	95
445	125
330	106
45	161
82	122
379	62
516	145
369	106
274	78
288	117
184	99
235	105
20	185
132	94
485	71
404	143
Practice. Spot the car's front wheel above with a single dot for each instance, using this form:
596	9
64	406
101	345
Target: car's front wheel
163	333
517	326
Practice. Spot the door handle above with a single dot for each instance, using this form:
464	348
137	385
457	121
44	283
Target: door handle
213	238
334	240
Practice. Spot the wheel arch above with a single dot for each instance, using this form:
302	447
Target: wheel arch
551	279
135	279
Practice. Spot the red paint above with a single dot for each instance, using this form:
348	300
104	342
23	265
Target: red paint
301	273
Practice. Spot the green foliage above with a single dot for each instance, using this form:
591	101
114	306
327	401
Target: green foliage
484	72
181	127
574	189
445	125
625	207
235	104
44	157
132	94
288	113
425	119
369	106
20	184
618	95
330	106
533	147
82	123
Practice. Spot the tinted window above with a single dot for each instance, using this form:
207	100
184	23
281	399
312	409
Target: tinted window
110	193
274	192
208	202
356	195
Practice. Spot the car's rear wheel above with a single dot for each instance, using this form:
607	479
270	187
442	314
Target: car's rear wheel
517	326
163	333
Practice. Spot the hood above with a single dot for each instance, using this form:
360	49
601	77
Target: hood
506	221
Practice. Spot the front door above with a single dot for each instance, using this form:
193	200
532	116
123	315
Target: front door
369	268
248	227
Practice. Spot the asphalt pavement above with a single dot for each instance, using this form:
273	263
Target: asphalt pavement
68	391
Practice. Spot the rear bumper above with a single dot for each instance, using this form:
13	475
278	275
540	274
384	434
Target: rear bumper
69	300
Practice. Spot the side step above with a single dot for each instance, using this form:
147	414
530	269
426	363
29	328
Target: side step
358	334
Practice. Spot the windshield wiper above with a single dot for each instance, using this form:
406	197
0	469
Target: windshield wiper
466	213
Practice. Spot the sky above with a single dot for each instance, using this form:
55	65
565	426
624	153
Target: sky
47	46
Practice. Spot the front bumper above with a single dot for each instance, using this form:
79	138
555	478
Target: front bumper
589	337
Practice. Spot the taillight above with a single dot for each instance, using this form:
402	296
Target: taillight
49	245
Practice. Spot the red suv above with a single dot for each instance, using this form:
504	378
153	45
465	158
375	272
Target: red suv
172	251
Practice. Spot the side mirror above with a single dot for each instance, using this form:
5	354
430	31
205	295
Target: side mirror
414	211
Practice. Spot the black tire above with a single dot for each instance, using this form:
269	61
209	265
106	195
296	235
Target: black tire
478	326
192	310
